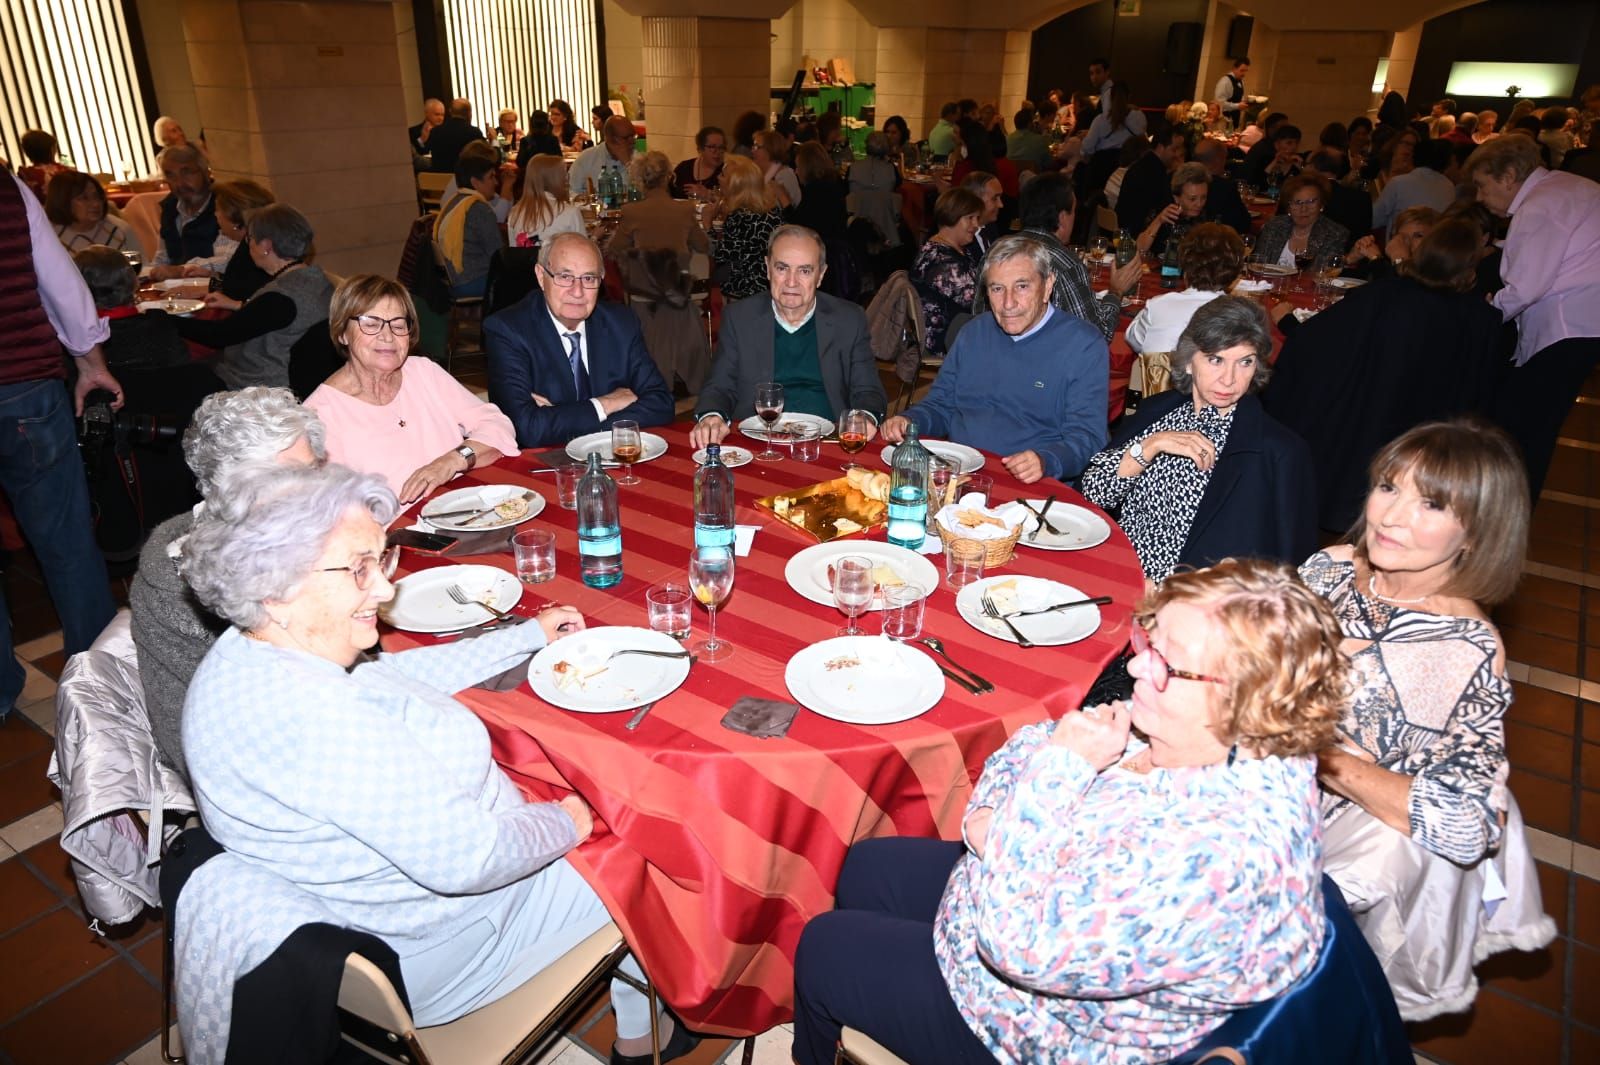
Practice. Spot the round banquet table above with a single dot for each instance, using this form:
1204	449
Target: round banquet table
713	848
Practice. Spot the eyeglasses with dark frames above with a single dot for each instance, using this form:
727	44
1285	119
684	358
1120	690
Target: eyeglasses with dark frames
1160	669
365	569
372	325
566	278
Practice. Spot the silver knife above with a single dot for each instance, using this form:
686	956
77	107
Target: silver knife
638	715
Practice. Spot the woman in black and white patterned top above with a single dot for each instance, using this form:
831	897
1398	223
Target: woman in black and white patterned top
749	215
1201	473
1415	793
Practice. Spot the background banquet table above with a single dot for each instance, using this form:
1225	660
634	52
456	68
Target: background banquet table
716	847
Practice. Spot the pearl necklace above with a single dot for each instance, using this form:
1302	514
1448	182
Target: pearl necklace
1372	589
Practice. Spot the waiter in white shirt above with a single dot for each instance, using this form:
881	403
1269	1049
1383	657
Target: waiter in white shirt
1230	91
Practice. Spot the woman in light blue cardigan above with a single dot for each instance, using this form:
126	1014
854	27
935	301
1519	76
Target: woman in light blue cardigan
361	780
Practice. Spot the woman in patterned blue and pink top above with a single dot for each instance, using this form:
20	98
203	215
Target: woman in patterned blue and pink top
1114	899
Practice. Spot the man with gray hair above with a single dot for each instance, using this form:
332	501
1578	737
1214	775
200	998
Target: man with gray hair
432	119
614	152
171	630
191	240
450	136
815	345
1023	380
561	363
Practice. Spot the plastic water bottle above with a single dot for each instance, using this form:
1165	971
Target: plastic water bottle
599	527
908	492
713	502
1127	252
1171	273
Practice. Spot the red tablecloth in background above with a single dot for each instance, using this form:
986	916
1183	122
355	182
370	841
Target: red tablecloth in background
716	847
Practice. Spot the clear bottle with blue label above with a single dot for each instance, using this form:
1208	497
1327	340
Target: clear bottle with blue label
908	492
713	501
599	527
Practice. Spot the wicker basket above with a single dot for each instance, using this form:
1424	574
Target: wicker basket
995	552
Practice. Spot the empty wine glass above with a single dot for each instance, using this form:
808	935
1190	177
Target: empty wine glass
711	578
769	406
852	590
626	448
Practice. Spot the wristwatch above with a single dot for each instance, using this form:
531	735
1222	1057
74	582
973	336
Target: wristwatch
466	452
1136	453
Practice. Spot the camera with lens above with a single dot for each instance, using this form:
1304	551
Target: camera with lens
100	425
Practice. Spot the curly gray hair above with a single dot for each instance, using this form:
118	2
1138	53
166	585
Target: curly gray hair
250	425
1225	322
258	541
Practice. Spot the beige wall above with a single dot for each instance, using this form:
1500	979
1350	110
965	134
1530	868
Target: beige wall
701	71
1325	76
823	30
308	99
405	42
920	68
624	55
161	22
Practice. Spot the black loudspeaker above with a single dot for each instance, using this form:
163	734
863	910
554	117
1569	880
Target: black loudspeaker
1239	31
1183	47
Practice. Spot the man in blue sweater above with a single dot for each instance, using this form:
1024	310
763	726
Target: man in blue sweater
1024	380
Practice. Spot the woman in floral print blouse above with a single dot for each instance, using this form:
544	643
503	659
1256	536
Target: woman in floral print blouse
1113	899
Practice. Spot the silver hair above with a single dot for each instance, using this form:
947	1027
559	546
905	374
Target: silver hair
259	540
878	144
547	249
183	153
1013	246
250	425
790	229
158	124
1225	322
1190	174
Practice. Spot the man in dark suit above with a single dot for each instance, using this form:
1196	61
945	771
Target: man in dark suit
1351	208
561	365
1223	195
432	119
1147	186
815	345
452	135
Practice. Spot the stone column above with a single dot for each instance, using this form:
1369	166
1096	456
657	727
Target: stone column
702	72
308	99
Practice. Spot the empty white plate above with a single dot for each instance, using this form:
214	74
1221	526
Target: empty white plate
864	680
422	603
1080	528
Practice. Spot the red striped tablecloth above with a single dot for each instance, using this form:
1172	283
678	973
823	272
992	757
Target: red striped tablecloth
716	847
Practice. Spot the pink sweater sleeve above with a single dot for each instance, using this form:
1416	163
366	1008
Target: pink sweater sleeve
479	419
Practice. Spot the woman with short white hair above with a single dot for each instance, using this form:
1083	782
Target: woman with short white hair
363	782
171	631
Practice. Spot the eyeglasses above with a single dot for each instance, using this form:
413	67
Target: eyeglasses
372	325
1305	203
1160	669
565	279
369	567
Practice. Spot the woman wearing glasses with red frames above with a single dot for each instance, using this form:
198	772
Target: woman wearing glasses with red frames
1114	898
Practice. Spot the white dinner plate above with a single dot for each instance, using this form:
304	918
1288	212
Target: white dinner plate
755	428
581	448
624	682
1260	201
807	570
181	308
966	459
1081	528
864	680
1246	284
476	499
1032	593
182	282
421	602
1347	282
731	456
1271	269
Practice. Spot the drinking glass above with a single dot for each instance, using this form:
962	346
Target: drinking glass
981	483
1329	266
769	406
626	449
852	590
669	604
938	485
963	562
568	474
711	577
805	442
902	611
854	428
535	550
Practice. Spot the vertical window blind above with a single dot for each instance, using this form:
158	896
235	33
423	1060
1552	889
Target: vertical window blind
66	67
521	54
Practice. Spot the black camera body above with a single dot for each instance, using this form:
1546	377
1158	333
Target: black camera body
101	425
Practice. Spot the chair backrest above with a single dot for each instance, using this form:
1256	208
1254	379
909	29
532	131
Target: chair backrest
367	994
1106	220
312	360
430	188
511	277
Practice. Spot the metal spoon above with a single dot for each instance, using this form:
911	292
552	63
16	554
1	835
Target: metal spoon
935	645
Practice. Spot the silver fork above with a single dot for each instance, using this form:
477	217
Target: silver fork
455	592
992	611
652	654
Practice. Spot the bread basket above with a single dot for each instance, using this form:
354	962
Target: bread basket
995	552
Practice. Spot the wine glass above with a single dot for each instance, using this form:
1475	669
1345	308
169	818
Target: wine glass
769	405
626	448
711	578
852	590
854	428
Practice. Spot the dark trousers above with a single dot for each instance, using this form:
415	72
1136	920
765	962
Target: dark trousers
869	964
1536	396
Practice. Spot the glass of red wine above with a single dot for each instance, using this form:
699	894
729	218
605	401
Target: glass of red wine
854	428
769	407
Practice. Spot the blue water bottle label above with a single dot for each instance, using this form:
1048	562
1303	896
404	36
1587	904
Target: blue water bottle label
713	536
604	547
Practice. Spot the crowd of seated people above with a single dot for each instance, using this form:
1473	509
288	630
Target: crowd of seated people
1381	760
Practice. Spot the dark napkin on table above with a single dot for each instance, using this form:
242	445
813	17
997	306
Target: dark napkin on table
550	458
487	542
762	718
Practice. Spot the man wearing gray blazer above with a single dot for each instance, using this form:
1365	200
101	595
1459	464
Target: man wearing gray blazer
815	345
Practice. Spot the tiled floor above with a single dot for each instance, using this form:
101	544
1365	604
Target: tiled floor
68	995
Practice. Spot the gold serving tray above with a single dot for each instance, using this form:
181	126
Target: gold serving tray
819	506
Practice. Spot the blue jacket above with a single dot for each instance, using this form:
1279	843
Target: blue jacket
1261	501
526	355
1046	393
